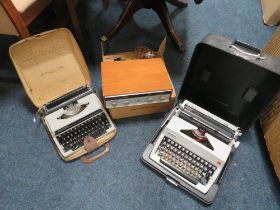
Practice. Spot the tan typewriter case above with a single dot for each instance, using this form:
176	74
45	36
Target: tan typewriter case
50	65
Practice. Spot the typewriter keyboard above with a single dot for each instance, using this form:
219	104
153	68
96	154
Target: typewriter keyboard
95	125
184	162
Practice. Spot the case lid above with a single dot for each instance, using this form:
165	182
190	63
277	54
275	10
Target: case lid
231	79
49	65
137	54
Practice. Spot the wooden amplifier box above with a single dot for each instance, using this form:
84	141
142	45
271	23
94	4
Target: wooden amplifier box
136	83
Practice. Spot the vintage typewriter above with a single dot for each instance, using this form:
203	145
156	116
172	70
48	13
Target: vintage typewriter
57	80
74	116
227	87
194	145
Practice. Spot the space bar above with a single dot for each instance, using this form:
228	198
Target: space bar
186	176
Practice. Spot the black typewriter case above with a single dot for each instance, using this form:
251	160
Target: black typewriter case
233	81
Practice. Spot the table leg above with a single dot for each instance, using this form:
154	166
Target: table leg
178	3
161	9
131	7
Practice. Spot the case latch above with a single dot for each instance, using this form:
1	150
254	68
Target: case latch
171	181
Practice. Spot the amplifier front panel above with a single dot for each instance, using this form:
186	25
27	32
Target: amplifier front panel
137	99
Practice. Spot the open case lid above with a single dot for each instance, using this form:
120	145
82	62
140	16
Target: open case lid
138	53
232	80
49	65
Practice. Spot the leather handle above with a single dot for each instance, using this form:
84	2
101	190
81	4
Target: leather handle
90	144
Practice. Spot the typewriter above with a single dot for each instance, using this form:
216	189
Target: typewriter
74	116
57	80
193	146
227	87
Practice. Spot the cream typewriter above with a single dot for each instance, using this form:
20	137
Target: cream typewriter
57	81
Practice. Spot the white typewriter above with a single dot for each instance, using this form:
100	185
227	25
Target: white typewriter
74	116
194	146
219	99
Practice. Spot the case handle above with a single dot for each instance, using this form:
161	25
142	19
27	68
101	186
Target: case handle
245	49
90	144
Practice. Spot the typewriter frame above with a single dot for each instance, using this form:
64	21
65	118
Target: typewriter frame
50	65
80	151
241	60
174	180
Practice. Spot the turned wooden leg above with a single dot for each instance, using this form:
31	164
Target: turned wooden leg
131	7
159	6
74	18
178	3
161	9
105	4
